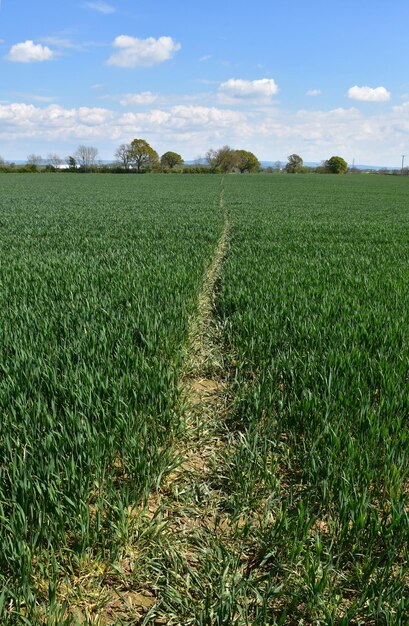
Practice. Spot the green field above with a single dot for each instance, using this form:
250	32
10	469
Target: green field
315	306
298	496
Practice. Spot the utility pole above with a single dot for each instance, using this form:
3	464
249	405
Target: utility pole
403	160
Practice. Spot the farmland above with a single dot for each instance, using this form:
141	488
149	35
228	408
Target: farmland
280	497
315	308
97	285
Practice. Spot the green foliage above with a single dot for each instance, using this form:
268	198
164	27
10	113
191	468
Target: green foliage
315	308
170	159
294	164
99	277
72	163
222	160
225	160
247	161
336	165
142	155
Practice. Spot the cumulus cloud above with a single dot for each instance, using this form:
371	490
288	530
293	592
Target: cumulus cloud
369	94
401	109
29	52
142	98
21	120
239	88
134	52
183	119
101	7
313	92
376	138
28	118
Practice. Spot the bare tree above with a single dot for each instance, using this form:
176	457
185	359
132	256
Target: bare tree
123	154
35	160
86	155
54	160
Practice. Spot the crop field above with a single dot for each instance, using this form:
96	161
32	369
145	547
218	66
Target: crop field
98	280
204	400
315	307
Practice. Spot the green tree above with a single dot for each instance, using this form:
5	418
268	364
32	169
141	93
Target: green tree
336	165
222	160
72	163
142	155
247	161
294	164
170	159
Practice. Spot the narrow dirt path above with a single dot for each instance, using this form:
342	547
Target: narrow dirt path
188	498
201	382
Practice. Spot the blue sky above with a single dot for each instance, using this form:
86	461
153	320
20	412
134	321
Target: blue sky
274	77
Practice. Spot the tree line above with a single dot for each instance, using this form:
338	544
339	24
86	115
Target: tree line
138	156
333	165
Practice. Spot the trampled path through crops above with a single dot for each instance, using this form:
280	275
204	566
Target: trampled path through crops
182	515
188	499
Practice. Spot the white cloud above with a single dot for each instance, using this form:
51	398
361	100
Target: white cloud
313	92
36	121
369	94
182	117
238	88
142	98
192	128
47	121
205	57
101	7
191	115
401	109
188	128
134	52
29	52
